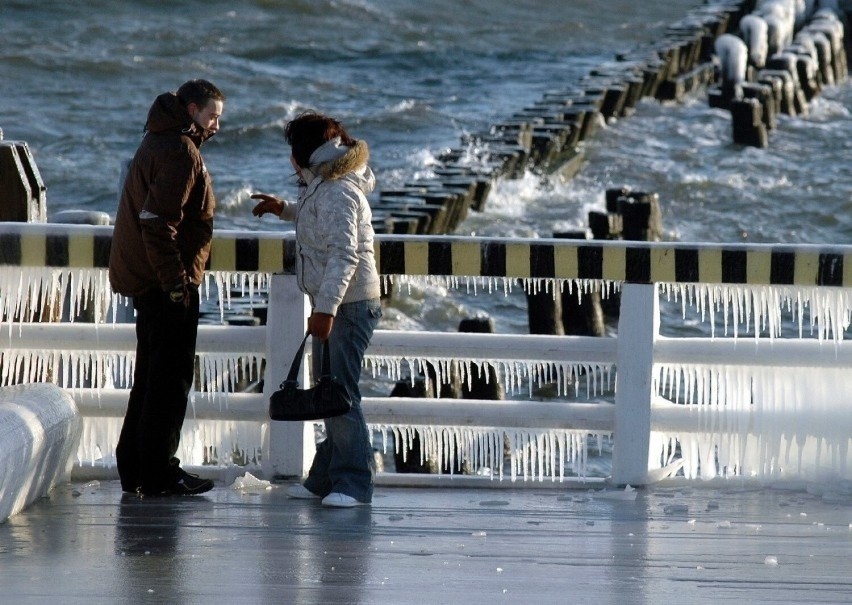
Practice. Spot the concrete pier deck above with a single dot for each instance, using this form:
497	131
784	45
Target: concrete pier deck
88	543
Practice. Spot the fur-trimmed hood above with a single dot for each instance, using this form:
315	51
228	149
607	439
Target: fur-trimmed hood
332	160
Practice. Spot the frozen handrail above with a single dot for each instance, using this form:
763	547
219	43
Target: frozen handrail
84	246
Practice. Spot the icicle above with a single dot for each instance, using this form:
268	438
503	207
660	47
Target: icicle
533	455
765	422
514	376
827	312
219	443
222	372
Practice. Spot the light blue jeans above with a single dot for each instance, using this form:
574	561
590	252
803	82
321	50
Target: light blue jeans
344	460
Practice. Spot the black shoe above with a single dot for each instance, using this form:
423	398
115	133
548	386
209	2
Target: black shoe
186	485
190	485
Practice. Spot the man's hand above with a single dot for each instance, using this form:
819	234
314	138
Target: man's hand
267	204
179	295
319	325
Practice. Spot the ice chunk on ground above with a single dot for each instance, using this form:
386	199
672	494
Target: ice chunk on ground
250	483
628	493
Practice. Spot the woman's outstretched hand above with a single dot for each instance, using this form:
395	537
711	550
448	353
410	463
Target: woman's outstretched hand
267	204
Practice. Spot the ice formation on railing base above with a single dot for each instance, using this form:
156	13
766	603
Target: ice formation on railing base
219	443
51	293
532	455
491	284
27	295
40	293
777	414
232	284
760	423
552	455
826	312
67	369
217	373
511	375
224	372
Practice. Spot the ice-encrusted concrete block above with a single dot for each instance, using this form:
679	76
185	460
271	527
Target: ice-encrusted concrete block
40	430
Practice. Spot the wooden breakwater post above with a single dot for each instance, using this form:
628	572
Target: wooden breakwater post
409	458
544	311
581	312
23	195
431	207
747	123
483	382
629	215
687	50
569	311
23	199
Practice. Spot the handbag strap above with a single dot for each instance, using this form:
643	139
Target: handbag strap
297	360
326	359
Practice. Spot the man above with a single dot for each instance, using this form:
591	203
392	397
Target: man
160	245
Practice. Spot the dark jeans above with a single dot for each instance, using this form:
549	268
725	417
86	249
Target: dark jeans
165	367
344	460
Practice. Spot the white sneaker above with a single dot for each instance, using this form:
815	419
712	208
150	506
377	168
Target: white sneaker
339	500
301	492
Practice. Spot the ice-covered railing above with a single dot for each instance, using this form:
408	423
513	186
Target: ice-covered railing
50	271
744	280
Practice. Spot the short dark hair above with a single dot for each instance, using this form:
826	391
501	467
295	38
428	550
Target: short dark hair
199	92
309	131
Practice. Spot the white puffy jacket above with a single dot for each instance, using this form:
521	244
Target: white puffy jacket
334	234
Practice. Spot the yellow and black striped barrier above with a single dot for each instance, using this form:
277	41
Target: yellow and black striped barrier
635	262
83	246
37	245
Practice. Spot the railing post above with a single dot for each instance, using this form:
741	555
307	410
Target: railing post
638	327
288	447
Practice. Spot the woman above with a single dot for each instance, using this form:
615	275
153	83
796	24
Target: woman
336	268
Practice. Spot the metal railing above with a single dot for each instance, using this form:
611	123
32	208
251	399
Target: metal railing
646	429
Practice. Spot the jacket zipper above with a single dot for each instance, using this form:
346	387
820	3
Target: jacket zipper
300	275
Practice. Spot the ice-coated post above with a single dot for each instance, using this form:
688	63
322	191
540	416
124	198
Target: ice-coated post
638	327
288	447
14	187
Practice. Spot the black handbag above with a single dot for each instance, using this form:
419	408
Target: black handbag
327	398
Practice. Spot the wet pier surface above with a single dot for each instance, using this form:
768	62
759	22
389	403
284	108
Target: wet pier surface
87	543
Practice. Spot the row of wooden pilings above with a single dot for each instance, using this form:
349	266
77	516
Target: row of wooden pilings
547	136
757	90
